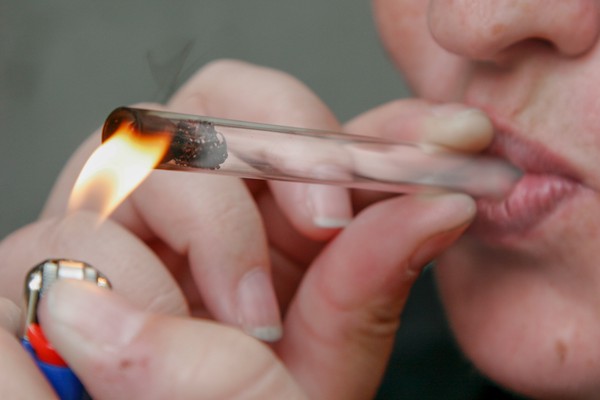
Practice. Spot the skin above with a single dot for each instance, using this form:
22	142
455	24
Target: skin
524	303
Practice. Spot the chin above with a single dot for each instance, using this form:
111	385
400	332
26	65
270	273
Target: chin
528	325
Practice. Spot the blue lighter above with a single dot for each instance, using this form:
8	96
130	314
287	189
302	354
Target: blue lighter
40	278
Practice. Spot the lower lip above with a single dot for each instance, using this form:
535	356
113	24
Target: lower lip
532	200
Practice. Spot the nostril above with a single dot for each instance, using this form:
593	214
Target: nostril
527	46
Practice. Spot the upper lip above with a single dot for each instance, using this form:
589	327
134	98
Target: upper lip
529	156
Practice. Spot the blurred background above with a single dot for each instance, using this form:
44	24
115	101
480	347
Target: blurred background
64	65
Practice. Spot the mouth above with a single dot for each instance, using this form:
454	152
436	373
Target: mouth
547	184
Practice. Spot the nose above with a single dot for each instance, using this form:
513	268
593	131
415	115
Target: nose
483	30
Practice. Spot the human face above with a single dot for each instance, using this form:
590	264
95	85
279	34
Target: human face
522	288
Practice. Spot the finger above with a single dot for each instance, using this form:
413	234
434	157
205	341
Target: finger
452	126
19	376
128	263
122	353
317	211
214	223
283	236
342	323
291	252
237	90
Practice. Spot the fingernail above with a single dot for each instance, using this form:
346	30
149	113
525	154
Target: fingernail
456	127
258	308
330	206
84	315
450	110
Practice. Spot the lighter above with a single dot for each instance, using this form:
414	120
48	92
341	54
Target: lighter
40	278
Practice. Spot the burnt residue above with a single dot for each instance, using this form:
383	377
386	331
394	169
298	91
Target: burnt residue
194	143
198	145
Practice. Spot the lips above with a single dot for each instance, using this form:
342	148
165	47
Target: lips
547	183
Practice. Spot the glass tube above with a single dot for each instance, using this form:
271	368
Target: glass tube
262	151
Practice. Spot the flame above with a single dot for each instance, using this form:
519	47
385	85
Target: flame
115	169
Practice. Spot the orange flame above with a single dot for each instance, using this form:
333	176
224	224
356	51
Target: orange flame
115	169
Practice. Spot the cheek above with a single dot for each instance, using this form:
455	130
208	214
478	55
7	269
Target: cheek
529	319
589	106
430	71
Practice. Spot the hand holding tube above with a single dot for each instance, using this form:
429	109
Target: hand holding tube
211	237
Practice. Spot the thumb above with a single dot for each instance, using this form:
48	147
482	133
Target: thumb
342	322
452	126
119	352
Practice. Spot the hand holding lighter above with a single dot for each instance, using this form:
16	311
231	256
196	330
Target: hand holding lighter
38	281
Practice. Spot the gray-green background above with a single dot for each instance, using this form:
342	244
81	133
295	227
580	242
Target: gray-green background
64	65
